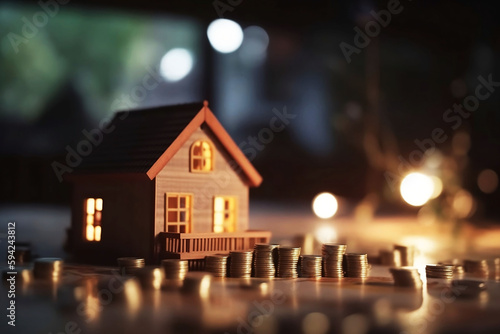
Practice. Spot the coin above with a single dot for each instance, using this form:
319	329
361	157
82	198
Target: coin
263	260
175	268
356	265
406	253
333	255
310	266
439	271
288	257
216	265
48	268
408	277
240	264
129	264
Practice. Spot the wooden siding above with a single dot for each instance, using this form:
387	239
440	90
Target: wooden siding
127	219
222	181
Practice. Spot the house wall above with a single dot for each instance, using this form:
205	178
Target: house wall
222	181
127	219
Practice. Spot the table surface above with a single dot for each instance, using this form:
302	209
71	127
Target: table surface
89	299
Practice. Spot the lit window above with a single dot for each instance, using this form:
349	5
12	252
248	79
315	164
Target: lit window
201	156
178	212
224	214
93	218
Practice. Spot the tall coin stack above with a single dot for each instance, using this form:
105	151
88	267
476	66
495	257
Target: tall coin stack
263	260
216	265
310	266
288	257
407	277
477	268
333	255
439	271
240	264
356	265
48	268
129	264
406	253
175	268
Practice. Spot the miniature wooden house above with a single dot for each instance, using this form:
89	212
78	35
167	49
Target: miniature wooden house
166	182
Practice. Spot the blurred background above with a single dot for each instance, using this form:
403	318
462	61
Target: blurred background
372	92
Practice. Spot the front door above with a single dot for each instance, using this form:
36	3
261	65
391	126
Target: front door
224	214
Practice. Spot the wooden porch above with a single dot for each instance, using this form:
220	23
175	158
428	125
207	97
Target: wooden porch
193	246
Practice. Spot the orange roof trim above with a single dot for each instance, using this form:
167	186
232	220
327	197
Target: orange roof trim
206	116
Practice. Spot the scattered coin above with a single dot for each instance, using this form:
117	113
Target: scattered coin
48	268
408	277
129	264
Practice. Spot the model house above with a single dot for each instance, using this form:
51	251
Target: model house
166	182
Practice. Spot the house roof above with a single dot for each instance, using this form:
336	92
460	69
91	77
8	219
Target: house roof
143	141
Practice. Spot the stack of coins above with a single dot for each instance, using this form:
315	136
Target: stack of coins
390	258
240	264
150	277
458	269
263	260
439	271
288	257
48	268
406	253
216	265
333	255
356	265
175	268
407	277
310	266
129	264
476	268
497	269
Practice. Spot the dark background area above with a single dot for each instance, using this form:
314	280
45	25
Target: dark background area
355	121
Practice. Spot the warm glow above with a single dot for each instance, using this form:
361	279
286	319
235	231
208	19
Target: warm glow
224	35
463	204
325	234
98	204
325	205
437	186
90	233
176	64
97	233
90	206
416	189
487	181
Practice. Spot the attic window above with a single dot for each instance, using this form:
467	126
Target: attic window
93	218
202	156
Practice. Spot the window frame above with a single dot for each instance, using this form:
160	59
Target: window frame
193	157
225	211
188	210
95	222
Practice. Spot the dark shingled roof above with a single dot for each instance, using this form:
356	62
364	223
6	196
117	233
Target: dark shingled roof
138	139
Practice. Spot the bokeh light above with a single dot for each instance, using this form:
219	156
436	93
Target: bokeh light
487	181
463	204
315	323
325	205
416	189
437	185
325	234
176	64
254	48
224	35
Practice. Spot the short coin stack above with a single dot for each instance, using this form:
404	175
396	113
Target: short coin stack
263	260
150	277
310	266
333	255
129	264
458	269
216	265
439	271
476	268
240	264
175	269
48	268
406	253
288	257
407	277
356	265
